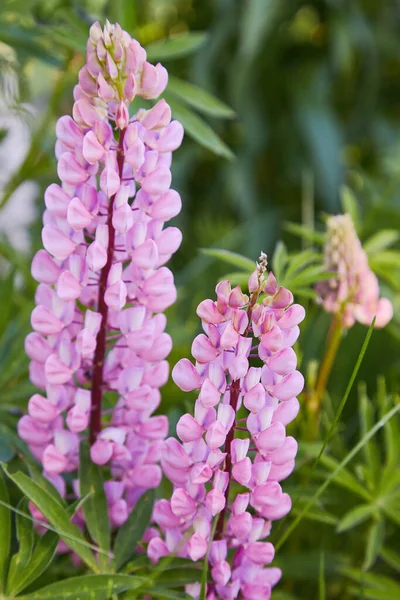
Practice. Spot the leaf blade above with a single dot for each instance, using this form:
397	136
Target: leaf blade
199	130
95	508
133	529
5	537
199	99
177	46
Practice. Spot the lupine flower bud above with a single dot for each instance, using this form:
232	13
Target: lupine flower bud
212	458
353	293
103	284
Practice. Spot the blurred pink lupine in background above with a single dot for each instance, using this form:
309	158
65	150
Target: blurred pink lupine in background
98	322
354	293
219	450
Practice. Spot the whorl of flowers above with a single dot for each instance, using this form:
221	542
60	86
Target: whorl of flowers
98	329
219	449
354	293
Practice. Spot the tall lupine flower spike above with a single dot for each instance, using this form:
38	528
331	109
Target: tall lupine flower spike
354	293
219	449
98	322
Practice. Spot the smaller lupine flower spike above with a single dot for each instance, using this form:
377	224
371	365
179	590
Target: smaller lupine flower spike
244	364
103	283
354	293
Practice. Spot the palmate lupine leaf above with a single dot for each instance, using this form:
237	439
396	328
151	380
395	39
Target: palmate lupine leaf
379	587
25	536
199	99
198	129
304	232
177	46
5	537
30	561
87	587
57	516
381	240
336	472
132	530
96	509
232	258
355	516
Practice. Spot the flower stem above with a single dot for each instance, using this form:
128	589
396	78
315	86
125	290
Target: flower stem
102	308
234	397
332	346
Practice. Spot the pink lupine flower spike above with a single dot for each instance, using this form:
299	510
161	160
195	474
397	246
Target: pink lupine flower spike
103	284
222	470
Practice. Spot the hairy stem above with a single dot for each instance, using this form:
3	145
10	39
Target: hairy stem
102	308
234	397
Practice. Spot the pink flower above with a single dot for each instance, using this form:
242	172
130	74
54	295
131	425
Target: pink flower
97	323
353	293
212	457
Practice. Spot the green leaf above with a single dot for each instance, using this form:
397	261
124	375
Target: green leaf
299	261
386	258
178	577
371	450
375	587
56	515
161	594
321	516
344	400
350	205
335	473
44	483
133	529
305	232
237	260
177	46
95	507
42	557
308	276
345	478
73	508
375	539
25	40
199	130
279	260
87	587
391	557
236	278
355	516
199	98
381	240
5	537
25	536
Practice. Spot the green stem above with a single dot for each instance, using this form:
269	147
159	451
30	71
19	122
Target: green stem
333	343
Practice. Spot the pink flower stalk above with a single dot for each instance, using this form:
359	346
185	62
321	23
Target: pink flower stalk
98	323
219	449
354	293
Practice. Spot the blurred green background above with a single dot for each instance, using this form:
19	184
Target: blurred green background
310	102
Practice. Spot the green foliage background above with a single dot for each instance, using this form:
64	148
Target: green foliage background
309	102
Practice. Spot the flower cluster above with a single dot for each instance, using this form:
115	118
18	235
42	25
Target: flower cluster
98	329
354	292
220	447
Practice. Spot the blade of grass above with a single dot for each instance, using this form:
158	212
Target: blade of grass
332	476
346	394
321	576
337	415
